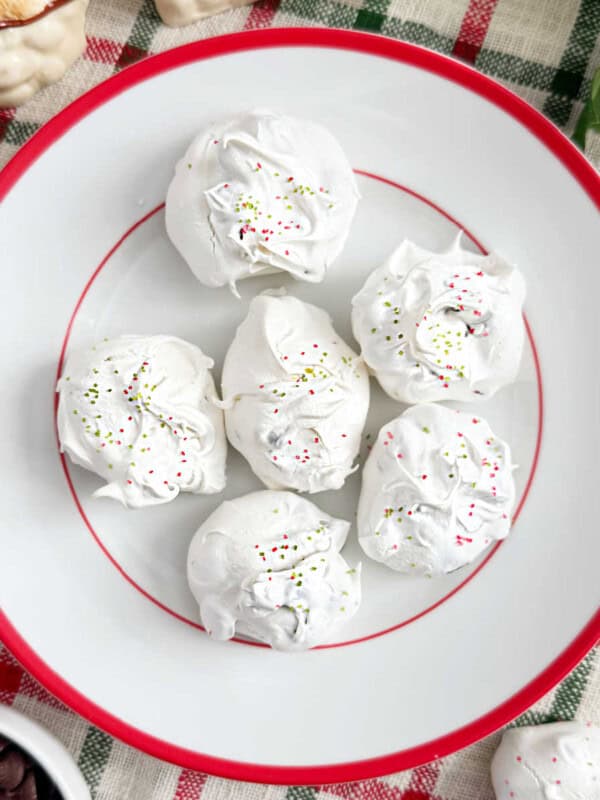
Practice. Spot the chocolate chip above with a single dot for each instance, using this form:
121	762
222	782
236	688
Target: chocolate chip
21	778
26	790
12	769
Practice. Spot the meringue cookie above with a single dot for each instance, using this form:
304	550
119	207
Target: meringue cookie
437	489
141	412
560	761
268	565
444	326
298	396
258	194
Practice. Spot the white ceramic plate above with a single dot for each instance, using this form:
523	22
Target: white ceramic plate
94	598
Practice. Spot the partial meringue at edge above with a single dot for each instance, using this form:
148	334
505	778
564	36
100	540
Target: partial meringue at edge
296	396
267	565
261	193
140	411
560	761
441	326
437	489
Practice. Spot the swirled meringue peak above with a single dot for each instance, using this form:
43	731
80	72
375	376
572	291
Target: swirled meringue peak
140	411
437	489
261	193
268	565
441	326
296	396
559	761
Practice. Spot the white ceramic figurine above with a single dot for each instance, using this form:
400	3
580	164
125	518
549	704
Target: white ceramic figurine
38	43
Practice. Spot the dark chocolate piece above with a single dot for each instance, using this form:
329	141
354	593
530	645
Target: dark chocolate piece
27	789
21	778
12	768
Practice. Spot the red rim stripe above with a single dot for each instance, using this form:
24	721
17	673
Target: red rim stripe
549	137
335	773
192	623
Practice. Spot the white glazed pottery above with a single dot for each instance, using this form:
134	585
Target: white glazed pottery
177	13
49	753
38	51
105	619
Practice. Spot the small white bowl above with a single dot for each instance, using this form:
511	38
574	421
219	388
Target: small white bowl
49	753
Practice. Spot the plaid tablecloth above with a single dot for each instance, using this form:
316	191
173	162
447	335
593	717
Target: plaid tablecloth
546	51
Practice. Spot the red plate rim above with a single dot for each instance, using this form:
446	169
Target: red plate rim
559	146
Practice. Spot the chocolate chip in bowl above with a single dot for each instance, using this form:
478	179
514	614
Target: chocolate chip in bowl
33	764
22	778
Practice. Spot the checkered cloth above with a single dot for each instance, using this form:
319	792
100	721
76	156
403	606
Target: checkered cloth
546	51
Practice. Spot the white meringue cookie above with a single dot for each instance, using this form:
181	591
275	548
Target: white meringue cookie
298	396
141	412
560	761
261	193
437	489
441	326
268	565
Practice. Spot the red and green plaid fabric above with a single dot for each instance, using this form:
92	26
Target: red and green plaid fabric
545	50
